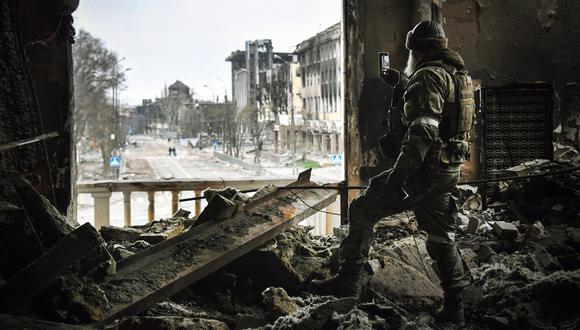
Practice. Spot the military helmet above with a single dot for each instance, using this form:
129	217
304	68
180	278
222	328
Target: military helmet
426	36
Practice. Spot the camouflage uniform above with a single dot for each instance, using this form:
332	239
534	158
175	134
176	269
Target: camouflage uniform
427	167
428	183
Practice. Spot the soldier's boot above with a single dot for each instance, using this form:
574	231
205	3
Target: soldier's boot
453	279
354	249
347	283
452	310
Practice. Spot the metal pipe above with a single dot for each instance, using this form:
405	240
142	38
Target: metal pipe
339	187
16	144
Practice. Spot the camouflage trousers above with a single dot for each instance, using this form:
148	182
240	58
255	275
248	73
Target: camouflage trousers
430	200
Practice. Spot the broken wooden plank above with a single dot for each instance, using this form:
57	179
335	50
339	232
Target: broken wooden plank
165	269
20	322
30	282
48	222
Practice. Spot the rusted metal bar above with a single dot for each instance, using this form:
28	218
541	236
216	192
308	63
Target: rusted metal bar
21	143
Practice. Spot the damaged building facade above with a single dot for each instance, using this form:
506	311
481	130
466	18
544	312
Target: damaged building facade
320	60
252	76
240	263
167	113
300	93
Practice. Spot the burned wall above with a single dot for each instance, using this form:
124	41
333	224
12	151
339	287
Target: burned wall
46	32
506	42
35	94
502	42
370	27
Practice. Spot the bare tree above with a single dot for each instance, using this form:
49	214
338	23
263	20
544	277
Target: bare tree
95	71
234	130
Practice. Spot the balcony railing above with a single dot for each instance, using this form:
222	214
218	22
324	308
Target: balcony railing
101	192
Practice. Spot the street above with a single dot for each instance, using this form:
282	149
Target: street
150	160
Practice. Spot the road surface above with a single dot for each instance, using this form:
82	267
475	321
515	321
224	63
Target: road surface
151	160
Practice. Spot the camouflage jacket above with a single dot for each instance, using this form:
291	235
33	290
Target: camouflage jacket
426	93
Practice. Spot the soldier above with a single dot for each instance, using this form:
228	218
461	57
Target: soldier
438	113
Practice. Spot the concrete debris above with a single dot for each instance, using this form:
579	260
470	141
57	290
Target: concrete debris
527	281
322	315
340	232
473	225
505	229
263	192
153	233
473	203
373	266
47	220
484	253
566	154
401	281
120	234
75	300
26	286
355	319
411	251
218	208
535	231
171	323
514	294
122	251
161	230
181	213
278	303
229	193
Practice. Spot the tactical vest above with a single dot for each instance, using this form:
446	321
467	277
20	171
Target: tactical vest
458	117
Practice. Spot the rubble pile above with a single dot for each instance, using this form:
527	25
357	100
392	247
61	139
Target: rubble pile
523	253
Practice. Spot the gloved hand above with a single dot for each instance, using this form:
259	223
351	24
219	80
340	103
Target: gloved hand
396	180
391	77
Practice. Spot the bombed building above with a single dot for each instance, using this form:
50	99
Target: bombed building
409	235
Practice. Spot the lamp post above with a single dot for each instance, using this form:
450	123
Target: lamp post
212	92
116	103
115	84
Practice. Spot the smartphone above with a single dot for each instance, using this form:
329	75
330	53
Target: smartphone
384	63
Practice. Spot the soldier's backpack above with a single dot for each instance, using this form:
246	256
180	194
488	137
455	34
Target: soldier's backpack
459	116
457	119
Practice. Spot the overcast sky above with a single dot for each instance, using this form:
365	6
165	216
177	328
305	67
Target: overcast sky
165	40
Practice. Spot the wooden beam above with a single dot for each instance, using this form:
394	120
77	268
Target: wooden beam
25	286
175	264
47	220
20	322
